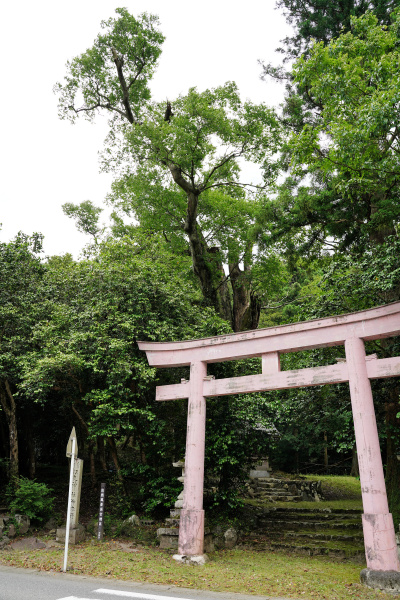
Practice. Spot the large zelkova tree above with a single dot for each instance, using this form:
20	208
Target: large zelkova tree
178	162
189	188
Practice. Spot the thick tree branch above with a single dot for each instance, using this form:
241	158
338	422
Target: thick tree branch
134	79
4	404
11	397
125	90
176	173
81	420
389	143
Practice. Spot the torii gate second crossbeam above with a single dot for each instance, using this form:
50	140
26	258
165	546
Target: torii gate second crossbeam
350	330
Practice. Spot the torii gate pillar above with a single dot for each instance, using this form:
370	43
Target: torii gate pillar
379	537
191	522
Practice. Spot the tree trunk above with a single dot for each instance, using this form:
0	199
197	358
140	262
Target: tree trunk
114	455
326	460
90	446
143	457
237	305
31	453
93	476
355	471
207	264
246	305
243	310
223	297
10	410
101	454
3	436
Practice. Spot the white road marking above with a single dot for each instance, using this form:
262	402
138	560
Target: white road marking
137	595
125	595
76	598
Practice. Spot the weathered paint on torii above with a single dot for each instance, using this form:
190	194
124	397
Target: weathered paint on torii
350	330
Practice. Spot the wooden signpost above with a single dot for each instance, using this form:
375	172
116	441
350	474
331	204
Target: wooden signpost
74	491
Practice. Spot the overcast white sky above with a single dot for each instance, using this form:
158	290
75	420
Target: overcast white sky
46	162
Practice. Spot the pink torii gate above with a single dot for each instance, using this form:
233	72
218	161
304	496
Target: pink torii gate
350	330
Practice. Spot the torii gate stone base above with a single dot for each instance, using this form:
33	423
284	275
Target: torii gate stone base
350	330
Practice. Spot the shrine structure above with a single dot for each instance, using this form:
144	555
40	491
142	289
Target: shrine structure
350	330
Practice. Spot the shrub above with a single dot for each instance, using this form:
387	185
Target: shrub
32	498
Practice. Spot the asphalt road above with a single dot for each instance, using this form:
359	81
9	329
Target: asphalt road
26	584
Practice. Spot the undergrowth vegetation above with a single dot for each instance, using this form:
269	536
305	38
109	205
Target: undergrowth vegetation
242	571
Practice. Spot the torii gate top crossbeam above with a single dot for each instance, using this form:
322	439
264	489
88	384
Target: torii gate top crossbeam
372	324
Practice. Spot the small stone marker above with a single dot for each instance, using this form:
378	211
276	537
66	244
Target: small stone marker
180	465
168	535
100	528
261	470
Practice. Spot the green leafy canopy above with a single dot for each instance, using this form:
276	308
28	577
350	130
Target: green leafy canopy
95	79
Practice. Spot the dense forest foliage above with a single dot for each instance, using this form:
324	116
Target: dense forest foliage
193	249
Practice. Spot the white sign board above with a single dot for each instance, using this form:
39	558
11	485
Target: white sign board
76	492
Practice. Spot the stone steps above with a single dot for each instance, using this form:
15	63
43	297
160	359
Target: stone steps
270	484
317	510
278	497
348	536
354	537
321	550
293	490
275	491
304	516
298	525
315	531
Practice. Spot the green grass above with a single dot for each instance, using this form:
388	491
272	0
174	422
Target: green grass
245	571
333	504
338	487
339	492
